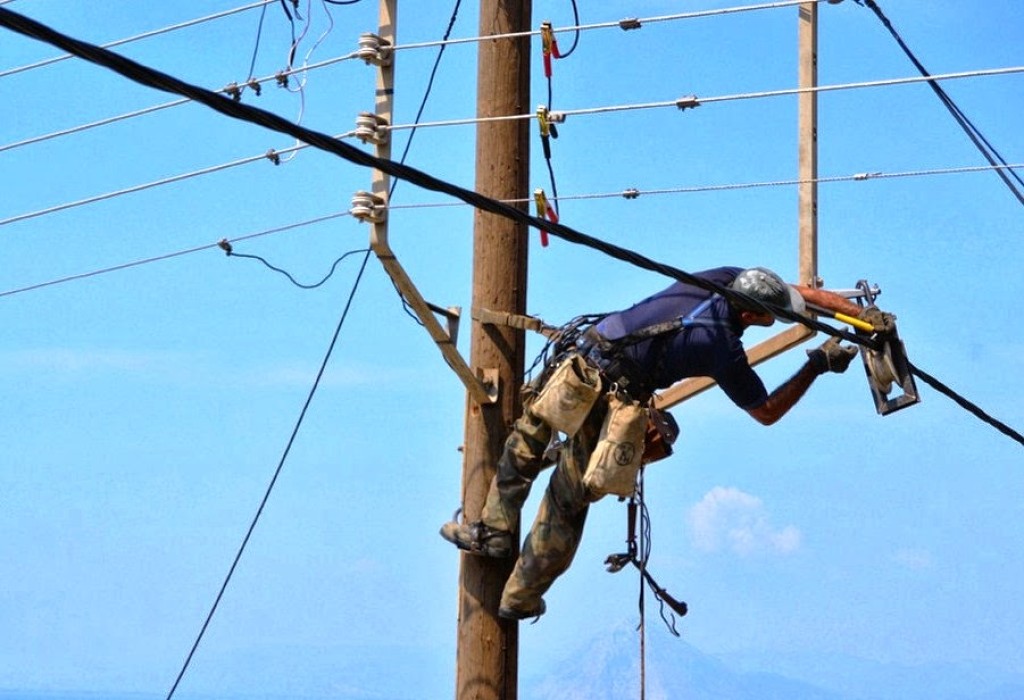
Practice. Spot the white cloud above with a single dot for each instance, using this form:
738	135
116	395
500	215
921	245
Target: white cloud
729	519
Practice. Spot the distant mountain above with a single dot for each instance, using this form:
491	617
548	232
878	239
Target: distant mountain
608	668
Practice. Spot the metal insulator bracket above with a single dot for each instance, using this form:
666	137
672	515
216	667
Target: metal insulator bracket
368	207
372	128
374	50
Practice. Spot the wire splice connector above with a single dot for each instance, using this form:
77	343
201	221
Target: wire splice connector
629	23
224	245
373	49
688	102
631	193
368	207
372	128
273	156
255	86
233	91
544	211
282	78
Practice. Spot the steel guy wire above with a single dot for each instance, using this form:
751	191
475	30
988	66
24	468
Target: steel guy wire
165	105
138	37
150	77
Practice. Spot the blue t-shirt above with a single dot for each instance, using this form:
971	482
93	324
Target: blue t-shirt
710	346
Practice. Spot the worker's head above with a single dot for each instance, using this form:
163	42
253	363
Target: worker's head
763	285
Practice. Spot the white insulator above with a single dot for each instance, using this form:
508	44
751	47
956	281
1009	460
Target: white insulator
373	49
371	128
367	206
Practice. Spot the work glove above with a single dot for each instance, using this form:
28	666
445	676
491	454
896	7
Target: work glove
882	321
831	356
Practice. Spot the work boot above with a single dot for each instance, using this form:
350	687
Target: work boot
510	613
479	539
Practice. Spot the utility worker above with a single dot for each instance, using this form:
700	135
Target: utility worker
682	331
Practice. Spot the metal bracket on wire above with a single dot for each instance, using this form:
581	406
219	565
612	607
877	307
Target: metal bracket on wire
372	208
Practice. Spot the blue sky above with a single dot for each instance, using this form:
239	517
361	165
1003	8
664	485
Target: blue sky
146	409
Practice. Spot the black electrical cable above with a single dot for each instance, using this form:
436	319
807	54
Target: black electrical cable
313	285
273	480
576	35
979	140
343	2
256	47
965	404
237	110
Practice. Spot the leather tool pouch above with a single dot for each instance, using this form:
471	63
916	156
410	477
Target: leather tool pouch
617	458
570	393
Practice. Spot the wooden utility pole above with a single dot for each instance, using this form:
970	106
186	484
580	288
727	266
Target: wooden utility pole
488	646
808	144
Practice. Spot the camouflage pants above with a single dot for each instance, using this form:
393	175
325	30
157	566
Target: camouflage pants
550	546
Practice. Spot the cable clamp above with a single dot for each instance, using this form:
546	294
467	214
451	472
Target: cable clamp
688	102
255	86
282	79
866	176
273	156
631	193
544	211
368	207
629	23
372	128
224	245
232	90
542	121
549	46
374	49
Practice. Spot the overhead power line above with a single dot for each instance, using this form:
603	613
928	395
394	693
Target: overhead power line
176	254
993	156
161	81
137	37
694	101
630	23
273	155
229	89
685	103
630	193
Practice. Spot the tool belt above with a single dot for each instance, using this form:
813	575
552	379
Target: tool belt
615	366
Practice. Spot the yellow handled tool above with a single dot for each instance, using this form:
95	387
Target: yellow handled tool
855	322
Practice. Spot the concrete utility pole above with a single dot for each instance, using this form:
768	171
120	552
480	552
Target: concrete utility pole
488	647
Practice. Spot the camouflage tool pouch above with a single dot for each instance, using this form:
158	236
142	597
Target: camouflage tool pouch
566	399
613	465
